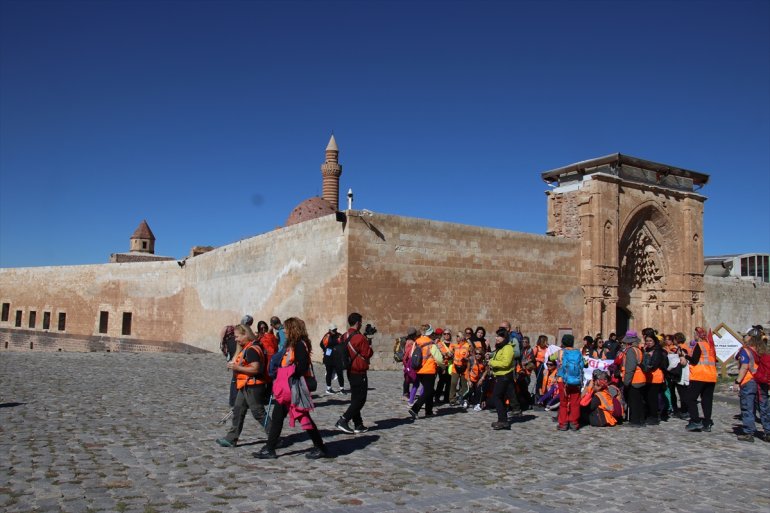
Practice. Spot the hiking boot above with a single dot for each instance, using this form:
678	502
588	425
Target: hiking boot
265	454
224	442
707	426
745	438
765	437
317	453
497	426
343	426
360	429
694	426
563	428
413	414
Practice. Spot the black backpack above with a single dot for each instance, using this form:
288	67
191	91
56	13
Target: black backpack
415	361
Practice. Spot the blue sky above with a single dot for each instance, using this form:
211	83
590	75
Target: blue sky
209	119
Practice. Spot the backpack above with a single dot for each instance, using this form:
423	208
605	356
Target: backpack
415	360
343	352
228	344
398	349
762	376
571	369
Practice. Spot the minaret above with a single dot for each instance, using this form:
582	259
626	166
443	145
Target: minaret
331	171
143	240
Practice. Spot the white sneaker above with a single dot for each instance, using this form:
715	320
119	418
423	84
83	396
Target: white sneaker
465	404
477	407
330	391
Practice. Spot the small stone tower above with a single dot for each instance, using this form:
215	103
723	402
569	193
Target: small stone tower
331	171
143	241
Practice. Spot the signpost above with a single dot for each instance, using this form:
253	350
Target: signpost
727	343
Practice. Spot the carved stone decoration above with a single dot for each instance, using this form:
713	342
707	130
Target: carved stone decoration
606	291
640	263
609	276
695	297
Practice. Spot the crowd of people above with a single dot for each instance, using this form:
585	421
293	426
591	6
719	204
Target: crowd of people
635	380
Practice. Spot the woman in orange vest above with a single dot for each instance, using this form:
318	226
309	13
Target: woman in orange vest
653	374
634	379
751	392
601	406
475	374
460	353
297	353
703	380
431	360
249	369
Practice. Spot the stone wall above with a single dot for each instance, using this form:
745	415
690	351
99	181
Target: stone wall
406	271
737	303
298	270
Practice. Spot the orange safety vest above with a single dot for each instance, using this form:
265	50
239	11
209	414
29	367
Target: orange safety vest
706	369
540	354
639	376
607	407
288	359
549	378
752	366
242	379
428	363
475	371
460	350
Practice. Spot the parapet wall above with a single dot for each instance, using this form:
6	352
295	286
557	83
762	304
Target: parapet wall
736	302
407	271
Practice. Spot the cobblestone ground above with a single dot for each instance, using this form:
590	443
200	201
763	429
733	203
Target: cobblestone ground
120	432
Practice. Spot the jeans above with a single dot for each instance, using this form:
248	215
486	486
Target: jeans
751	392
359	386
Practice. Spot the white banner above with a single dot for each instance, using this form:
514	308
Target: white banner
593	364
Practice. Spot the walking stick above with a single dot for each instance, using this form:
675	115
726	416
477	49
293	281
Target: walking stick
224	419
267	410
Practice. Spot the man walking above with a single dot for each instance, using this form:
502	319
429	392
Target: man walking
360	351
280	334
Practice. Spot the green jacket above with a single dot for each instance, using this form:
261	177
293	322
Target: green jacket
502	362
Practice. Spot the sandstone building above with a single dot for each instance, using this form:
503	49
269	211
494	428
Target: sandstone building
624	249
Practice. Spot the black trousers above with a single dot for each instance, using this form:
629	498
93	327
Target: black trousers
704	390
359	388
505	388
635	399
331	370
428	382
278	415
442	385
651	398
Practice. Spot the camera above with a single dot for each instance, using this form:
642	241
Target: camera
369	331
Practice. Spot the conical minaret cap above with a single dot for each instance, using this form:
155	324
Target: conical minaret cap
332	146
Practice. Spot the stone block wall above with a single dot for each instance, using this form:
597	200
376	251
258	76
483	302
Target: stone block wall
736	302
407	271
300	270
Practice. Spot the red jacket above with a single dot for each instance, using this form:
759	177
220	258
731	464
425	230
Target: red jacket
360	362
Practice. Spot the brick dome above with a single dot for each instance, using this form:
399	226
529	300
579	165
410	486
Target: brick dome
311	208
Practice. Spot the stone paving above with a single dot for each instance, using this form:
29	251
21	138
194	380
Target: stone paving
130	432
